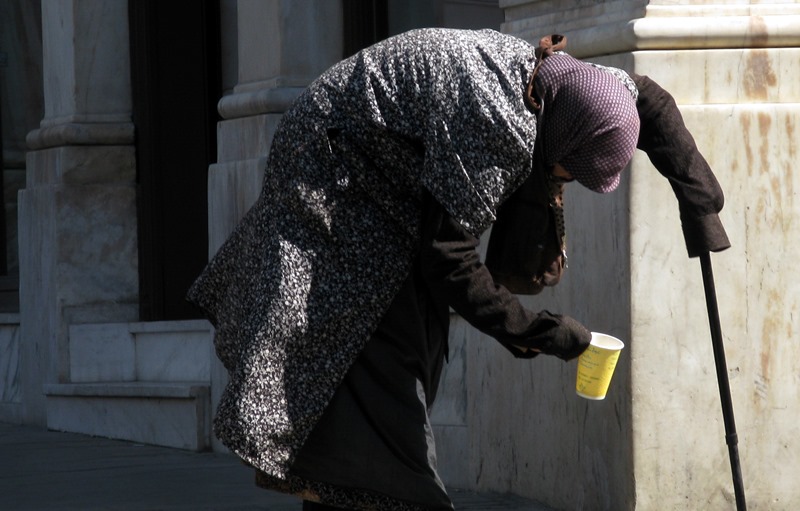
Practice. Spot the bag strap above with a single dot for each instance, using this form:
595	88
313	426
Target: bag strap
555	190
548	45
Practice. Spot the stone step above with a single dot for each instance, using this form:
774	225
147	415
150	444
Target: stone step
170	414
167	351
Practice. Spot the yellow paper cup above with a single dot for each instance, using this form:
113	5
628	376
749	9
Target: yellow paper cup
596	366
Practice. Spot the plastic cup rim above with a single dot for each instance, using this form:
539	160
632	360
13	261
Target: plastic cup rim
606	341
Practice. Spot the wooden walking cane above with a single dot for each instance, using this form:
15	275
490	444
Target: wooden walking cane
722	380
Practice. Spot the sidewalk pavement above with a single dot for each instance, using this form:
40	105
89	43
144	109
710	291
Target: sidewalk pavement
43	470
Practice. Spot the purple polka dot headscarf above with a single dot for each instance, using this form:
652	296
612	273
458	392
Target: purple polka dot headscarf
590	124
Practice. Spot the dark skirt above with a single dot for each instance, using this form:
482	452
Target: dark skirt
373	448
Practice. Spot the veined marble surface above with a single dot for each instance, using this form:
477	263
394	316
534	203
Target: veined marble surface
600	28
167	351
9	364
183	423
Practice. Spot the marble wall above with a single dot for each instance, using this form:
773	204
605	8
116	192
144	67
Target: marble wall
10	386
746	123
78	248
658	441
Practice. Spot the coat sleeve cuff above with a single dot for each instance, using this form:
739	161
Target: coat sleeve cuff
704	234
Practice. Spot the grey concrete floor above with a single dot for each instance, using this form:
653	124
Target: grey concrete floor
52	471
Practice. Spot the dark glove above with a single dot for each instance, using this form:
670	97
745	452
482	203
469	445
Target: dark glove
551	334
568	338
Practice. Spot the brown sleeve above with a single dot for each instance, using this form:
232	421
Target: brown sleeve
672	149
455	274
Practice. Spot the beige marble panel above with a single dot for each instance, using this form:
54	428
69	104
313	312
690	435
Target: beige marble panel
679	437
283	43
173	356
724	76
101	353
86	62
245	137
96	244
9	364
169	414
233	188
603	28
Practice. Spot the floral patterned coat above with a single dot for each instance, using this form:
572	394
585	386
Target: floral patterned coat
300	285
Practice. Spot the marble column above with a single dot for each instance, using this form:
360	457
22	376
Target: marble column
78	249
21	108
282	46
657	441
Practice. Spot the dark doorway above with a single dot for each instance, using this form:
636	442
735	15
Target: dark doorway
175	75
365	22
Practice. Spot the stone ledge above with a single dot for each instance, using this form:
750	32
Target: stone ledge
183	390
189	325
165	351
9	318
245	104
75	133
170	415
611	35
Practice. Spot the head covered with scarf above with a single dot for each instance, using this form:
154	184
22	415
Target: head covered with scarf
589	125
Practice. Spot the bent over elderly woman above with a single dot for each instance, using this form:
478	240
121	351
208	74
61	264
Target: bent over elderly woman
331	298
